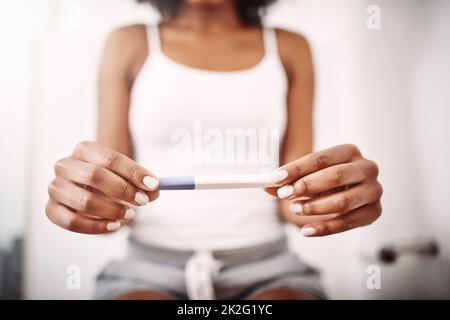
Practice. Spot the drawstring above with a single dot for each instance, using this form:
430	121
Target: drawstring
200	268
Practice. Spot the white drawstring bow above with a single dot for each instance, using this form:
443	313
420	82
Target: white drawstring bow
200	268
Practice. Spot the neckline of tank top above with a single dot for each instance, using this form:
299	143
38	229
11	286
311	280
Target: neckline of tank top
249	70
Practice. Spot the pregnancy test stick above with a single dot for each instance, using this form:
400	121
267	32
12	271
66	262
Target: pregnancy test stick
236	181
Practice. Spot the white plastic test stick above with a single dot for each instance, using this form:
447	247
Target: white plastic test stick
235	181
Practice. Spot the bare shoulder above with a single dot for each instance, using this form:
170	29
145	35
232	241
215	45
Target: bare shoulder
126	48
127	38
294	49
291	39
127	34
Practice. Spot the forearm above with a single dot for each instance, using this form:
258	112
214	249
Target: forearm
119	142
122	58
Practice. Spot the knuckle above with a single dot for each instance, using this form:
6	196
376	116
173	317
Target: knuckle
309	208
380	189
133	173
109	159
321	161
374	170
51	189
305	186
344	203
82	146
378	210
376	213
339	176
348	224
59	166
69	223
377	190
372	220
85	202
353	149
126	191
49	210
298	170
93	174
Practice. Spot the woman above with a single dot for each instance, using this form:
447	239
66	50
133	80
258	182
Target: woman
210	63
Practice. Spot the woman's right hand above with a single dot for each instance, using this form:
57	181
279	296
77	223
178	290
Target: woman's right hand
94	188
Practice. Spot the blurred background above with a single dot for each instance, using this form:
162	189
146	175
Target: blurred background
384	89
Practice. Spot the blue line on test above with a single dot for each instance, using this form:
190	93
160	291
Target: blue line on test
177	183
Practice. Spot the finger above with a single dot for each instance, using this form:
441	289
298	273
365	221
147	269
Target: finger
80	199
117	163
339	202
314	162
100	179
67	219
130	214
334	177
153	195
354	219
271	191
304	220
274	192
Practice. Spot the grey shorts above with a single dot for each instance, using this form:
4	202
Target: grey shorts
242	273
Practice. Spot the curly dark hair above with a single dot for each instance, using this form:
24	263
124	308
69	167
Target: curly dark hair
250	11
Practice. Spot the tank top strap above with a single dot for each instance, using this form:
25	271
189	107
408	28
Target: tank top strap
270	41
153	39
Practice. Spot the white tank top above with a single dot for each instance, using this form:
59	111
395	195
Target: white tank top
188	121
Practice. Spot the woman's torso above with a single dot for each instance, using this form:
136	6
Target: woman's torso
188	121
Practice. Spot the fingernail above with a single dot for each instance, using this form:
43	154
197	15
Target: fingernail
141	198
285	192
113	226
279	175
296	208
130	214
308	231
150	183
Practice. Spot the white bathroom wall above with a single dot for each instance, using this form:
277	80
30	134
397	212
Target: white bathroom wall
332	27
392	58
430	115
16	97
374	88
68	51
369	92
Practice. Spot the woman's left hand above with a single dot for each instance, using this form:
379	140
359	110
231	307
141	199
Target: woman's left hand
338	181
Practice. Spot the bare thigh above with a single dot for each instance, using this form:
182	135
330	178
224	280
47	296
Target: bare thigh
283	294
145	295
